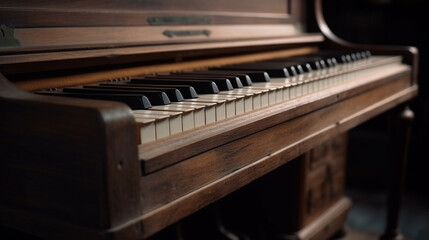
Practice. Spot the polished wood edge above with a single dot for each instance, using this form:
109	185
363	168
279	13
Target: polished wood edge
338	210
112	158
86	78
171	212
410	53
162	153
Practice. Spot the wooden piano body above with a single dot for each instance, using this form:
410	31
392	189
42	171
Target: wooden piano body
73	168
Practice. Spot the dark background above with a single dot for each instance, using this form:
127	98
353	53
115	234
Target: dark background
390	22
387	22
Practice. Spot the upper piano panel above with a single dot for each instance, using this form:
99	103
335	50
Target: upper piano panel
138	12
35	25
46	35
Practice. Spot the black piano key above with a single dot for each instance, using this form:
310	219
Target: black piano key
188	92
293	67
365	54
336	56
312	62
235	81
350	56
345	56
332	62
155	97
359	56
134	101
272	69
222	83
307	67
255	76
244	78
201	87
301	69
173	93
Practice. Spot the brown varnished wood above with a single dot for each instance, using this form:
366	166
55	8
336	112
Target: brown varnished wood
86	164
70	38
294	196
162	153
322	182
320	186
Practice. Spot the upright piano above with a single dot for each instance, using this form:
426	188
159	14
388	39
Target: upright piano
131	119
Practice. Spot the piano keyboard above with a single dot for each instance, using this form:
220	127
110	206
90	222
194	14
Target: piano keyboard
168	104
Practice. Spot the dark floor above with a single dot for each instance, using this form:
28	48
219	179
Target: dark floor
366	183
368	214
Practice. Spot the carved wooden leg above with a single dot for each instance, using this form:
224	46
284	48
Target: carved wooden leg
400	128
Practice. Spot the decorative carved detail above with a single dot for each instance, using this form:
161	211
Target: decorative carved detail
7	37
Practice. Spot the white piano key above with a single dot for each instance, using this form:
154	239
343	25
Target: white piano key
229	104
210	113
221	112
256	101
187	116
204	113
197	109
275	92
162	124
175	118
146	129
256	96
242	101
220	106
264	98
240	104
239	99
